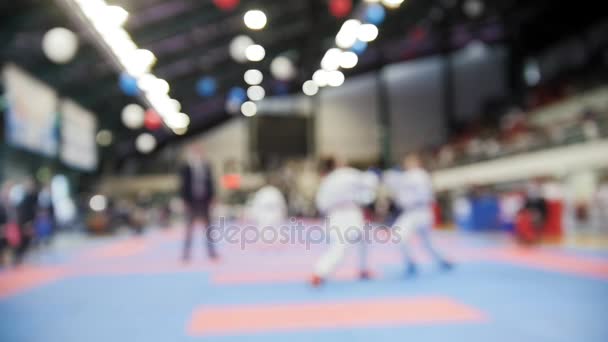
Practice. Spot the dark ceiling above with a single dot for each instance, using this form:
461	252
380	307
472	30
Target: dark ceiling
190	39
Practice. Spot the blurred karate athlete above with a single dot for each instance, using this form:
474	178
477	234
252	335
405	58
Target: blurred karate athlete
413	192
268	208
341	194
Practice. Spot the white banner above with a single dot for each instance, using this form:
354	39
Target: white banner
31	113
78	130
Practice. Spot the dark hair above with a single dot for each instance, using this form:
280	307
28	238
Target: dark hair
326	165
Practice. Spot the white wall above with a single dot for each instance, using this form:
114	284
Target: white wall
557	161
347	117
229	141
478	76
133	185
225	142
416	113
582	185
346	124
416	93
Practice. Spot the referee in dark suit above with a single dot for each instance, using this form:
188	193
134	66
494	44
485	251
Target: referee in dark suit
198	193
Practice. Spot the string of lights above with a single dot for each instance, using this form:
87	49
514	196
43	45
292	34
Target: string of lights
136	63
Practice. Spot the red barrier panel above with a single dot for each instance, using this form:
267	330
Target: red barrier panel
437	215
553	225
524	227
231	181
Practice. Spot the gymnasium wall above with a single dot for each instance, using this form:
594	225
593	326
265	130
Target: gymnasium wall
347	118
346	123
229	141
415	95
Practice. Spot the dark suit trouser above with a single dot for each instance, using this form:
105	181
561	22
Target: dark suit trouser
198	210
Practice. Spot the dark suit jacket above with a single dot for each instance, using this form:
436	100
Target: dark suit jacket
187	188
26	210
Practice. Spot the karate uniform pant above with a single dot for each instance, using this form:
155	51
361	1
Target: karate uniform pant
417	222
270	218
198	211
345	229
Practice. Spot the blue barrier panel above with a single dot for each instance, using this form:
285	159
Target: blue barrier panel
486	213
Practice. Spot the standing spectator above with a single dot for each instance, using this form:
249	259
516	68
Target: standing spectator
44	223
601	203
591	130
198	193
26	214
4	219
536	204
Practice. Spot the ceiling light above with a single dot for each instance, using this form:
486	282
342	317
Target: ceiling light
177	106
331	59
150	84
238	46
104	138
109	17
98	203
255	53
178	121
310	88
392	3
133	116
335	78
180	131
367	33
348	60
137	62
347	36
249	108
320	77
282	68
255	19
253	77
256	93
473	8
145	143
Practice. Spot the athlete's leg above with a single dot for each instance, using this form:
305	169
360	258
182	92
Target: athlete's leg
341	225
425	225
189	231
363	248
404	228
332	257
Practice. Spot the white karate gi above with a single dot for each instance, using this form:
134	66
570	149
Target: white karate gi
340	196
412	191
268	207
